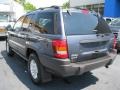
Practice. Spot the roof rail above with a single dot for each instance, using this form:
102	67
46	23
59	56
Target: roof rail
41	8
55	7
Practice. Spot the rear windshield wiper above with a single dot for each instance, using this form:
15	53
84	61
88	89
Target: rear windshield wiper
68	11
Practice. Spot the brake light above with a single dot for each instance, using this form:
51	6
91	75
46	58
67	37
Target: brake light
114	42
60	48
85	11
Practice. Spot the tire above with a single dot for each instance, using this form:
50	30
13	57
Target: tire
118	51
34	68
9	50
87	73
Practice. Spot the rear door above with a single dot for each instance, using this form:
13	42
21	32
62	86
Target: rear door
23	34
87	36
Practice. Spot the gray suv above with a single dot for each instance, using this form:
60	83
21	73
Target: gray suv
61	42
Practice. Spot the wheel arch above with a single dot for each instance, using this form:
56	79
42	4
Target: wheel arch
29	51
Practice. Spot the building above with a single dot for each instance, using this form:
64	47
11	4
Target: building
11	8
108	8
9	12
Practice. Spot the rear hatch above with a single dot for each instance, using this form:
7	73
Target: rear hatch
88	36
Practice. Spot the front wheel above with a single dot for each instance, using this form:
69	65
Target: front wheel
34	68
9	50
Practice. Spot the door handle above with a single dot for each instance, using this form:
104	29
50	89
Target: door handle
22	35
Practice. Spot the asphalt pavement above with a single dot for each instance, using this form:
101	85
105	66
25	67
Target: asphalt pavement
14	76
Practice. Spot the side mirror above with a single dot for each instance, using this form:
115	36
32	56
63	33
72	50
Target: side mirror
9	28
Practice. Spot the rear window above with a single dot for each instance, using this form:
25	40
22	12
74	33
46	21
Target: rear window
83	24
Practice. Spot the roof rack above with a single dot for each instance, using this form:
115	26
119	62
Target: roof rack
55	7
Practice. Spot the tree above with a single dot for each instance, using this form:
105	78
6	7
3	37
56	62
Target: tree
29	7
20	1
66	5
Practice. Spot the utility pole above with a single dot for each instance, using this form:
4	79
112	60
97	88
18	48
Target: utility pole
11	9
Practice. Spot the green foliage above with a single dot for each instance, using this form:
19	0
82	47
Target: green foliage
66	5
29	7
20	1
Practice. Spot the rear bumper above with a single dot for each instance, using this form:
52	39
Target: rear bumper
64	68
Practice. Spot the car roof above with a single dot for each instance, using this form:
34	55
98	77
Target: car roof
58	9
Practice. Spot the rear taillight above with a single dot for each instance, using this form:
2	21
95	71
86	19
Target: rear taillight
60	48
85	11
114	42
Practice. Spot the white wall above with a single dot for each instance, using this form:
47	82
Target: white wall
4	8
18	10
13	7
5	1
74	3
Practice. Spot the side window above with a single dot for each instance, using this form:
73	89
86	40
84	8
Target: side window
27	22
45	23
18	24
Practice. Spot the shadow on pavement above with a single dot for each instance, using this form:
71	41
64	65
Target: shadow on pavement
2	38
19	67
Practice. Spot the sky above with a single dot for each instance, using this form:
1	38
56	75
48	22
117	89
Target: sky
47	3
5	1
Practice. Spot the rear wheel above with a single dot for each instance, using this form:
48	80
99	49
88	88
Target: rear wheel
34	68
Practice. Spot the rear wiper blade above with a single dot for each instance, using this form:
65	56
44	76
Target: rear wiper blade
68	11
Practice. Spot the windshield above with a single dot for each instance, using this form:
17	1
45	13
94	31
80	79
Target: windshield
3	17
115	22
83	24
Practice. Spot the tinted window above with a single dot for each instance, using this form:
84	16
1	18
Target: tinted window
102	26
18	24
27	21
83	24
45	23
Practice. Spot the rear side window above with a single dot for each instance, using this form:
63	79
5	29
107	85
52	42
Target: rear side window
45	23
27	21
83	24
